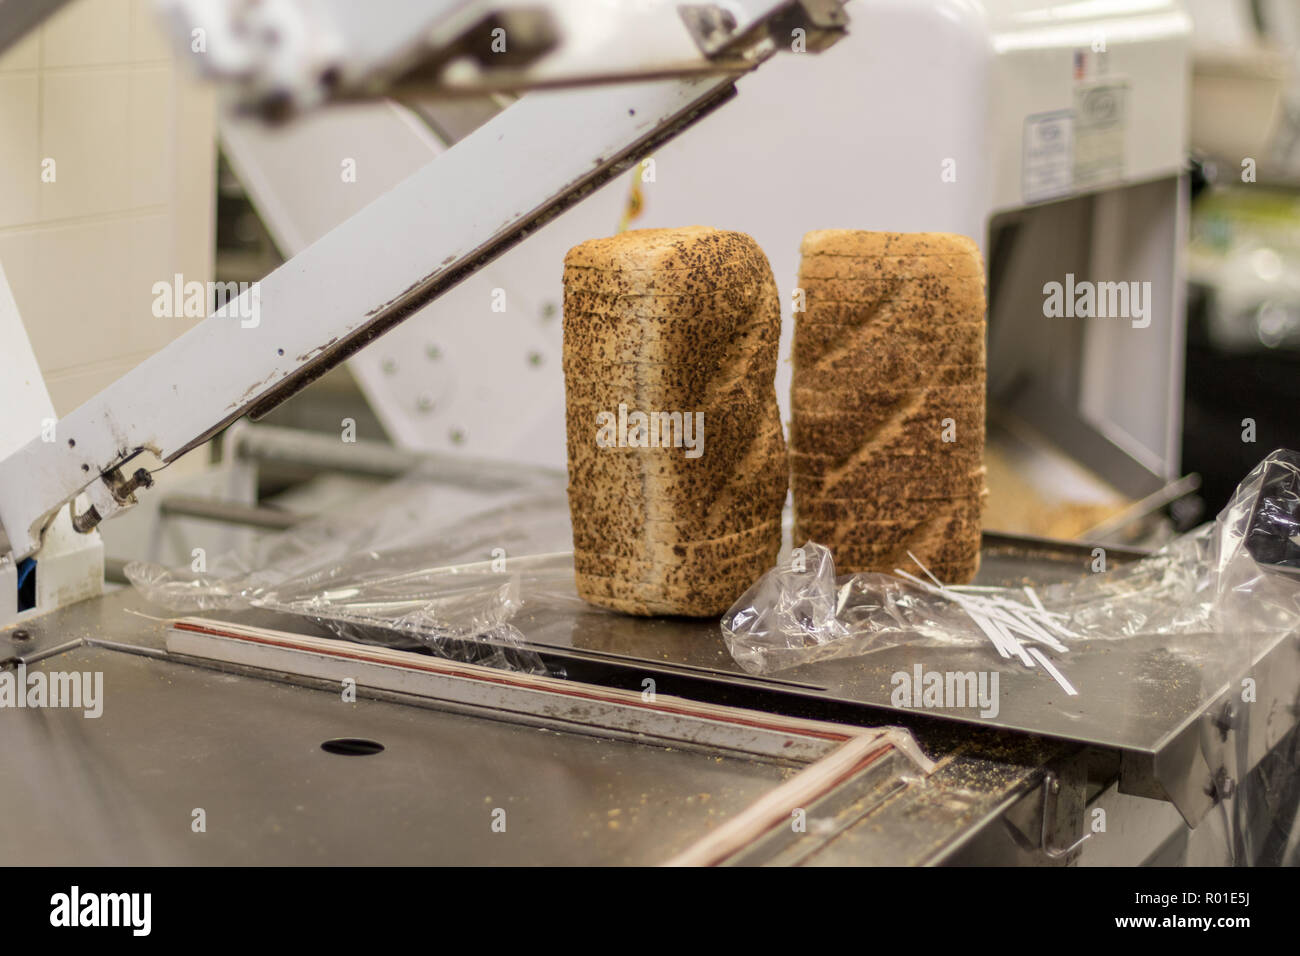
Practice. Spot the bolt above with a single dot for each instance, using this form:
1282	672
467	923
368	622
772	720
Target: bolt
1224	785
22	634
1226	719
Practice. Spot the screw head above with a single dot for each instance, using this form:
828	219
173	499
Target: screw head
22	634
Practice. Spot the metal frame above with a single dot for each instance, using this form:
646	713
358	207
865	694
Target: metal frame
281	56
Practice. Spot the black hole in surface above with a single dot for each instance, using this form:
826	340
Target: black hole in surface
279	351
72	443
85	468
26	585
352	747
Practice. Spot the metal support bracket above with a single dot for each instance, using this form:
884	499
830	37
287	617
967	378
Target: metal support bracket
1051	808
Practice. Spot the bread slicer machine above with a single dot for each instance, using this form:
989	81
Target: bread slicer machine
221	720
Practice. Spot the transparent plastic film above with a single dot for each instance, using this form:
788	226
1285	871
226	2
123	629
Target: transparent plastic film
417	563
1207	580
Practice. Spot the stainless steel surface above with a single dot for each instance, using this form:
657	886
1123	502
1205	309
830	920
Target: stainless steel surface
1147	698
506	695
122	788
1064	378
674	643
1156	710
175	737
982	806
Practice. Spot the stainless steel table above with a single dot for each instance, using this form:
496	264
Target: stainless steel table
245	747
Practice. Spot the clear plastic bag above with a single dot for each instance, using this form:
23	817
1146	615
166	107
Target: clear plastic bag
394	570
1204	581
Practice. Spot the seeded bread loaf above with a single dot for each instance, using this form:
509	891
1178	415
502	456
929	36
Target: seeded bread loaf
888	403
681	327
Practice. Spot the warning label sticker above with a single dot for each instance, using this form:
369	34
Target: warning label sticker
1048	165
1100	124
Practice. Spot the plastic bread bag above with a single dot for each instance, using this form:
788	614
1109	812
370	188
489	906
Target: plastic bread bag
415	564
1222	602
1238	575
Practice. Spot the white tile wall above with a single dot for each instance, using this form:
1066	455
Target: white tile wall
25	55
150	148
133	140
78	275
84	130
147	41
20	196
88	33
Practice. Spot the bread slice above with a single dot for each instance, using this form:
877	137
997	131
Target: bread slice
883	435
704	339
941	298
955	513
679	321
860	483
856	242
813	341
860	511
702	250
961	265
680	571
629	597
